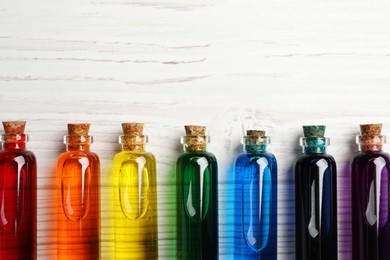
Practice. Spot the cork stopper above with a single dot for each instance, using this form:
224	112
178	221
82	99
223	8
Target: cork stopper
133	138
195	139
371	129
314	131
255	133
133	129
14	127
195	130
14	136
254	136
78	129
255	141
78	138
371	139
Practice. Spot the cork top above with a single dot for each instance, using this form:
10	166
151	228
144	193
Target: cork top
255	133
78	129
78	138
133	138
371	129
133	129
195	130
371	138
255	141
256	137
14	137
195	139
14	127
314	131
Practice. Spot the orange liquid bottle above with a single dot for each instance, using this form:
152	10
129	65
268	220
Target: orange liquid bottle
78	197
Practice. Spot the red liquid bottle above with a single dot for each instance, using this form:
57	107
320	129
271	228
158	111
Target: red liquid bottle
18	195
78	197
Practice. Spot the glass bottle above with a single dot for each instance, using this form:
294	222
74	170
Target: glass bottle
370	169
135	197
315	198
255	207
197	198
78	195
18	195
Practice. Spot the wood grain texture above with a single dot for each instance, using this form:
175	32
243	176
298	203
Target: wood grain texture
168	63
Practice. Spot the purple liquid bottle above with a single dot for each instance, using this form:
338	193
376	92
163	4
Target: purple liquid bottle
370	169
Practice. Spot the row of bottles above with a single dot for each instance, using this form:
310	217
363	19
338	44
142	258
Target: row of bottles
316	197
134	195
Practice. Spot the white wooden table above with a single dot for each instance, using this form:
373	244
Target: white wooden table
175	62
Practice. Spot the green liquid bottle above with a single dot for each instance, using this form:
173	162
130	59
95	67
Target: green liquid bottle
197	198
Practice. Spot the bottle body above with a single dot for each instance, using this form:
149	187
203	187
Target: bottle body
255	206
135	205
197	206
18	198
78	205
315	207
370	206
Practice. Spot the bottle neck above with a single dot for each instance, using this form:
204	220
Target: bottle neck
370	143
314	145
14	141
254	148
134	143
195	143
135	148
255	144
78	142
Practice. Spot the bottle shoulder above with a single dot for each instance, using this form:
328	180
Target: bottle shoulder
189	155
12	153
249	160
256	155
307	158
78	155
243	157
360	156
126	155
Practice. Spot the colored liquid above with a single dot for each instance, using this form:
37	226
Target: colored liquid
197	206
78	207
255	207
370	206
135	206
315	207
18	198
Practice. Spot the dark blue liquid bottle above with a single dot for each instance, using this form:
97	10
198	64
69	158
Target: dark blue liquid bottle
255	207
315	199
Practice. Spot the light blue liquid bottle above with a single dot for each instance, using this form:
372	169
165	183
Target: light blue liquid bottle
255	206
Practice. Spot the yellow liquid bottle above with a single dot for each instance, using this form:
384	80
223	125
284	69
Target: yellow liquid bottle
135	197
